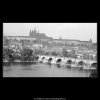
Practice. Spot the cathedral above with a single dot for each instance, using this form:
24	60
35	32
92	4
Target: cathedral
35	34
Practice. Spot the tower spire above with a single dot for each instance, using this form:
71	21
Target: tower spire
30	30
35	30
90	40
30	33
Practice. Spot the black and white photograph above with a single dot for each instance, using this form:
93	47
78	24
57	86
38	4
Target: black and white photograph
50	50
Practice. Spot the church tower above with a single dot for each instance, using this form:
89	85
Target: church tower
30	33
38	31
33	33
35	30
60	37
90	40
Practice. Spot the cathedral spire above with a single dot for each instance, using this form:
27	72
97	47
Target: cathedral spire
90	40
30	30
35	29
30	33
38	31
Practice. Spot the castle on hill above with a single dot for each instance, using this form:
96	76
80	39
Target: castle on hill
35	34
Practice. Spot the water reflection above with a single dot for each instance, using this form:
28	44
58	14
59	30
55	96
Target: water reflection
41	70
58	66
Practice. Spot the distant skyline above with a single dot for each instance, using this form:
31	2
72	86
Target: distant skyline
78	31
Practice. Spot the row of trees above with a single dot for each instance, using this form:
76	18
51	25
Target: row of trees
24	55
29	54
66	53
8	54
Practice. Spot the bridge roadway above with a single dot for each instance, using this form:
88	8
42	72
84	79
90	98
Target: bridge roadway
64	60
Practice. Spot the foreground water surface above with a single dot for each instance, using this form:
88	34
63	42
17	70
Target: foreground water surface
41	70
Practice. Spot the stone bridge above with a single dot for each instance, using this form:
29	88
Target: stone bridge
64	60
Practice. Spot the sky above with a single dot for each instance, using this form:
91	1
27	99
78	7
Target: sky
78	31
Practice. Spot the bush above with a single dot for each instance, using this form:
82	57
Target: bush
94	74
54	53
47	53
8	54
65	53
38	52
26	54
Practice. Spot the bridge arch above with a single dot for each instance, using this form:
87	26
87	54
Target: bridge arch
58	60
94	65
37	57
50	59
69	61
81	63
43	58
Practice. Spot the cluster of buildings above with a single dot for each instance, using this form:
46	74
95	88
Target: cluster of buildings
36	35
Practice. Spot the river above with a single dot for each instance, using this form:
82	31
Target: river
41	70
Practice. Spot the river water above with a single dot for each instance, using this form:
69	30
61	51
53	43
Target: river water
41	70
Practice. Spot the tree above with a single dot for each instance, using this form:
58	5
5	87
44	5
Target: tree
6	42
91	57
8	54
85	56
54	53
72	54
38	52
95	57
64	53
47	53
94	74
27	54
